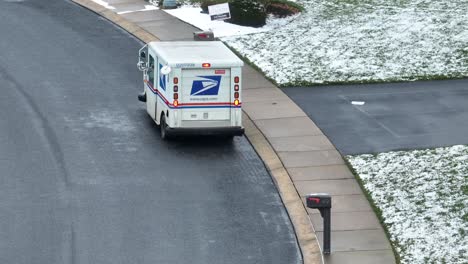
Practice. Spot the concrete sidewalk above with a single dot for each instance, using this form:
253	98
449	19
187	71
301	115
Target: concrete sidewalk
293	148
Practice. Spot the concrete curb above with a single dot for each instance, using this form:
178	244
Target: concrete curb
304	230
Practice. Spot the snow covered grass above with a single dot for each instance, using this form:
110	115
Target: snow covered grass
338	41
423	199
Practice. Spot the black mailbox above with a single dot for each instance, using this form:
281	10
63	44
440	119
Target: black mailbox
322	202
203	35
318	200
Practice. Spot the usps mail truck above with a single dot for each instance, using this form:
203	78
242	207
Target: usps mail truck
192	87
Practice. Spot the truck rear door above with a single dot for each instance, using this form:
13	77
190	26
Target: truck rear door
205	94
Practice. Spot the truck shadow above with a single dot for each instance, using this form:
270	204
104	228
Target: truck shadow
187	141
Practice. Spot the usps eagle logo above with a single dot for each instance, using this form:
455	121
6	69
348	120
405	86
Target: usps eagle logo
209	85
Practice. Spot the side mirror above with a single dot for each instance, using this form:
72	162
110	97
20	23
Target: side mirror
142	66
143	55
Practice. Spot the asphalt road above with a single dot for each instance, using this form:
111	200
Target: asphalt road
394	116
84	177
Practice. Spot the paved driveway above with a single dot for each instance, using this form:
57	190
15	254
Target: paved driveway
394	116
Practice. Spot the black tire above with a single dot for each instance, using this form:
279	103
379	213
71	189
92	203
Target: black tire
163	127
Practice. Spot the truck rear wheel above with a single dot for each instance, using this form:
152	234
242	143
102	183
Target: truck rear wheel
163	127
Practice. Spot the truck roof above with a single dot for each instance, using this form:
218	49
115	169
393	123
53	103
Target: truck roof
196	52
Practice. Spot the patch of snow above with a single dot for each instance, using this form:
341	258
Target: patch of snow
147	8
423	196
104	4
193	16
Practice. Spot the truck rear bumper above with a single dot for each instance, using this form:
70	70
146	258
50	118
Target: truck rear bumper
230	131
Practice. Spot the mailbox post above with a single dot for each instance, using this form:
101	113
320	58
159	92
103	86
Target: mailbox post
322	202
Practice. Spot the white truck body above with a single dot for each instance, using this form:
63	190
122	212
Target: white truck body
193	87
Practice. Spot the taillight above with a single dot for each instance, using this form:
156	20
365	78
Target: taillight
236	89
206	65
176	95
